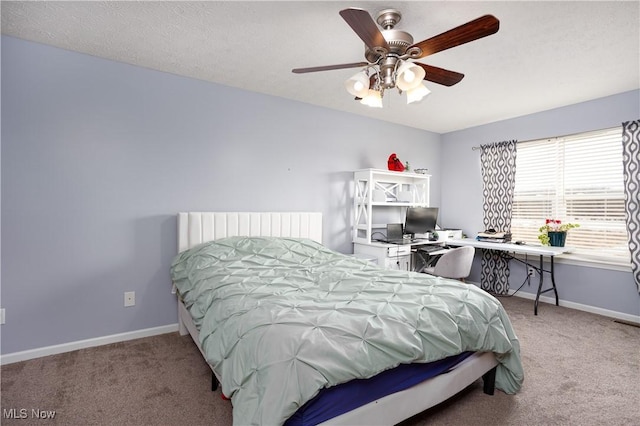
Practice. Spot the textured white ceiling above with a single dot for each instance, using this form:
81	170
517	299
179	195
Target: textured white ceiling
545	55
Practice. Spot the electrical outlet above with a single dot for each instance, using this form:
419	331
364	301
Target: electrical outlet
129	298
2	316
531	271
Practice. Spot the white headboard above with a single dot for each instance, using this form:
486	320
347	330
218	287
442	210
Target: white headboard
199	227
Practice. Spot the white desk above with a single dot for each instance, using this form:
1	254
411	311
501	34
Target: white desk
393	256
540	251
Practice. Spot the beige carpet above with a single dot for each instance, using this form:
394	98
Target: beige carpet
581	369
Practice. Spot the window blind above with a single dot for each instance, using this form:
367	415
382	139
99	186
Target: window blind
577	179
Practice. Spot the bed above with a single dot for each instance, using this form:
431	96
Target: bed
279	343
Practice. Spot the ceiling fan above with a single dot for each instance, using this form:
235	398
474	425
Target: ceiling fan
388	52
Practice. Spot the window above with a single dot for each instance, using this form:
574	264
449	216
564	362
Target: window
577	179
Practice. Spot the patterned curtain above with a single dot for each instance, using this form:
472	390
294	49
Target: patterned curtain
498	161
631	164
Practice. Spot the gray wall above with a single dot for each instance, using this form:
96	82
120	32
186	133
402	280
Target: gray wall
461	202
99	156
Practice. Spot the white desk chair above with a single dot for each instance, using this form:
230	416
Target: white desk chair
455	263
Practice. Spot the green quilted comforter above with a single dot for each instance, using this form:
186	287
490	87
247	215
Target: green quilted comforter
282	318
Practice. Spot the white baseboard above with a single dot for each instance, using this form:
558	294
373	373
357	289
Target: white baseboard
580	307
577	306
88	343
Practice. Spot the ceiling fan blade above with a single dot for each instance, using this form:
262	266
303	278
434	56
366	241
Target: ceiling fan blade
329	67
473	30
363	24
440	75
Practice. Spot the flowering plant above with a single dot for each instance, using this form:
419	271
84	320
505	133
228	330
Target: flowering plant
553	225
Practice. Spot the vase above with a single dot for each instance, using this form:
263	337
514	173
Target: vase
557	239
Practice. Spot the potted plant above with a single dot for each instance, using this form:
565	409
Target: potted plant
554	232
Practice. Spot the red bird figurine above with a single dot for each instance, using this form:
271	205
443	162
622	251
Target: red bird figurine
395	164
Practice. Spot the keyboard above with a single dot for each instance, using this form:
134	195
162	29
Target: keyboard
429	248
399	242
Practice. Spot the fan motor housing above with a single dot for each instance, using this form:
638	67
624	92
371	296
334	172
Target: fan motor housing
398	42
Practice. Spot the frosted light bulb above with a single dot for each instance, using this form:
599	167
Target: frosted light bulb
409	76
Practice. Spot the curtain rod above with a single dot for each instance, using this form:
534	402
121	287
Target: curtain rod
475	148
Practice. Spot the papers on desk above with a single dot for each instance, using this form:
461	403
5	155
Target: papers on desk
494	237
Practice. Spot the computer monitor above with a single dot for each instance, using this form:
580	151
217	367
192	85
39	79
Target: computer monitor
420	220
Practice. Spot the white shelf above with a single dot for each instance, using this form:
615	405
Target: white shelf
379	190
395	175
397	204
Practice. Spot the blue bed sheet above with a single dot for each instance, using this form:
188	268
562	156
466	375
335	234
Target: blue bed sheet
337	400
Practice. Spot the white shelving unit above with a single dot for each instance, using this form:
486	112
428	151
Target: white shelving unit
385	192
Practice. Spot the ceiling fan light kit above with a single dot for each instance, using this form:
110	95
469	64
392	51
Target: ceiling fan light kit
417	94
372	99
358	84
409	76
388	51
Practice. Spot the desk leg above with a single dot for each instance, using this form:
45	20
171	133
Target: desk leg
553	285
553	281
541	272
